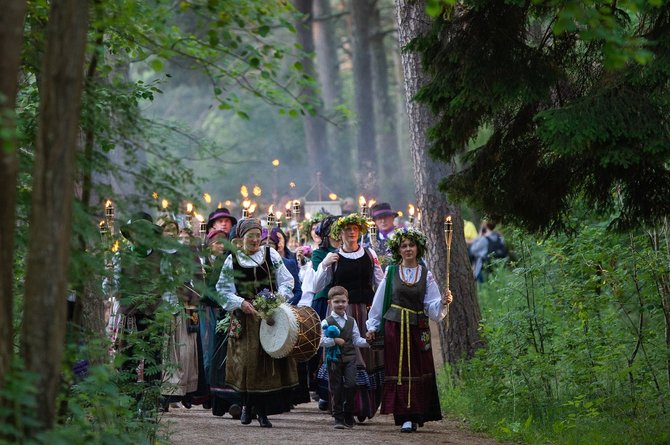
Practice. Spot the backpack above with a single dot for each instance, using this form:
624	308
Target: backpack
496	248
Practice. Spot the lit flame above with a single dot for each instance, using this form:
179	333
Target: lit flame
275	162
229	202
272	207
199	217
447	219
291	184
102	223
246	203
257	190
371	203
220	206
288	206
208	198
400	214
154	195
189	207
115	246
279	215
244	191
296	203
164	203
361	201
108	204
252	209
410	210
418	215
333	196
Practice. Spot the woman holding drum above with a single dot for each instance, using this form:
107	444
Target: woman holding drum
356	269
404	301
263	382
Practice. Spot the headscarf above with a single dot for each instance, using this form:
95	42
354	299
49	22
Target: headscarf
324	231
213	234
248	224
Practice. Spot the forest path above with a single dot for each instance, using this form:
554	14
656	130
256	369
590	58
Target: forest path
307	425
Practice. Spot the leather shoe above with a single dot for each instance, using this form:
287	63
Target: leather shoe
245	417
235	411
264	421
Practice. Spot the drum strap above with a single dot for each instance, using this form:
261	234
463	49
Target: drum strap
405	338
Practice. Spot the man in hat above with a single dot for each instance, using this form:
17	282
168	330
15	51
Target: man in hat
220	219
383	216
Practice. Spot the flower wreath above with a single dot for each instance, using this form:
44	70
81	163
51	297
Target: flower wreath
352	218
410	233
306	225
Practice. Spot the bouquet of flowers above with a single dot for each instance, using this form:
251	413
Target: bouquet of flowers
223	325
266	302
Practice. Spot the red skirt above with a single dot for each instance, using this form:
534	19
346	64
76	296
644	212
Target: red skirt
416	396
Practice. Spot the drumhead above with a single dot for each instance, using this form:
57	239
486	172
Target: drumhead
279	339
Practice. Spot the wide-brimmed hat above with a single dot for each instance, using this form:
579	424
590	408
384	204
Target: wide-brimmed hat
382	209
140	227
218	214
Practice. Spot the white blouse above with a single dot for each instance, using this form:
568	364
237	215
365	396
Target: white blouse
324	275
226	289
432	301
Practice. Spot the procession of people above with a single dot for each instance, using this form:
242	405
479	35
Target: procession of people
359	301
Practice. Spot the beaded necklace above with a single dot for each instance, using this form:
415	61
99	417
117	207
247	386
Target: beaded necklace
405	281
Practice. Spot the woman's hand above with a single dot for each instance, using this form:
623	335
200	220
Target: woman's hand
339	341
370	336
448	298
248	308
330	259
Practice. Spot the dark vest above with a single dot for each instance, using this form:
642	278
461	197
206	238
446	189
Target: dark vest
249	281
356	277
346	333
410	297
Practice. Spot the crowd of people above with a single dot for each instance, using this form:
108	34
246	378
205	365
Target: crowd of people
374	351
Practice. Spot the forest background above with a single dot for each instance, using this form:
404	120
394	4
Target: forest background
550	117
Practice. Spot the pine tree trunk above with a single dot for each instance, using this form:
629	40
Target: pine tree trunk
316	140
330	82
385	117
43	330
11	42
458	333
366	161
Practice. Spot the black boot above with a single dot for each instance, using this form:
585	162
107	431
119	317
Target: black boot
264	421
245	417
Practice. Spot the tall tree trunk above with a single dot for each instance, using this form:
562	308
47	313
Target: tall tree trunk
11	42
330	82
61	87
361	10
458	333
316	140
385	116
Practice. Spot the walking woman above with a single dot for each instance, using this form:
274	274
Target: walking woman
356	269
264	383
404	301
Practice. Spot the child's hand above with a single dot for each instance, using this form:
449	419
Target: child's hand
339	341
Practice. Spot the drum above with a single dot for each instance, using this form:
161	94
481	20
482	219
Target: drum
294	331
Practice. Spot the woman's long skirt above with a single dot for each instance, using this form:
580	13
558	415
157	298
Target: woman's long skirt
414	397
263	382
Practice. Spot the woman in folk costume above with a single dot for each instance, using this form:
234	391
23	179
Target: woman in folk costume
264	383
404	301
356	269
180	373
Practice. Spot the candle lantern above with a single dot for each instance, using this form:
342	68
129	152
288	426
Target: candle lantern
271	218
365	211
288	211
109	210
103	227
296	208
410	211
372	230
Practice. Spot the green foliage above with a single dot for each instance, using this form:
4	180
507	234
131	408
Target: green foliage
575	345
576	97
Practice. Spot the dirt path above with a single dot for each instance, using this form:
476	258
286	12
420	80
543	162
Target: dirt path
307	425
